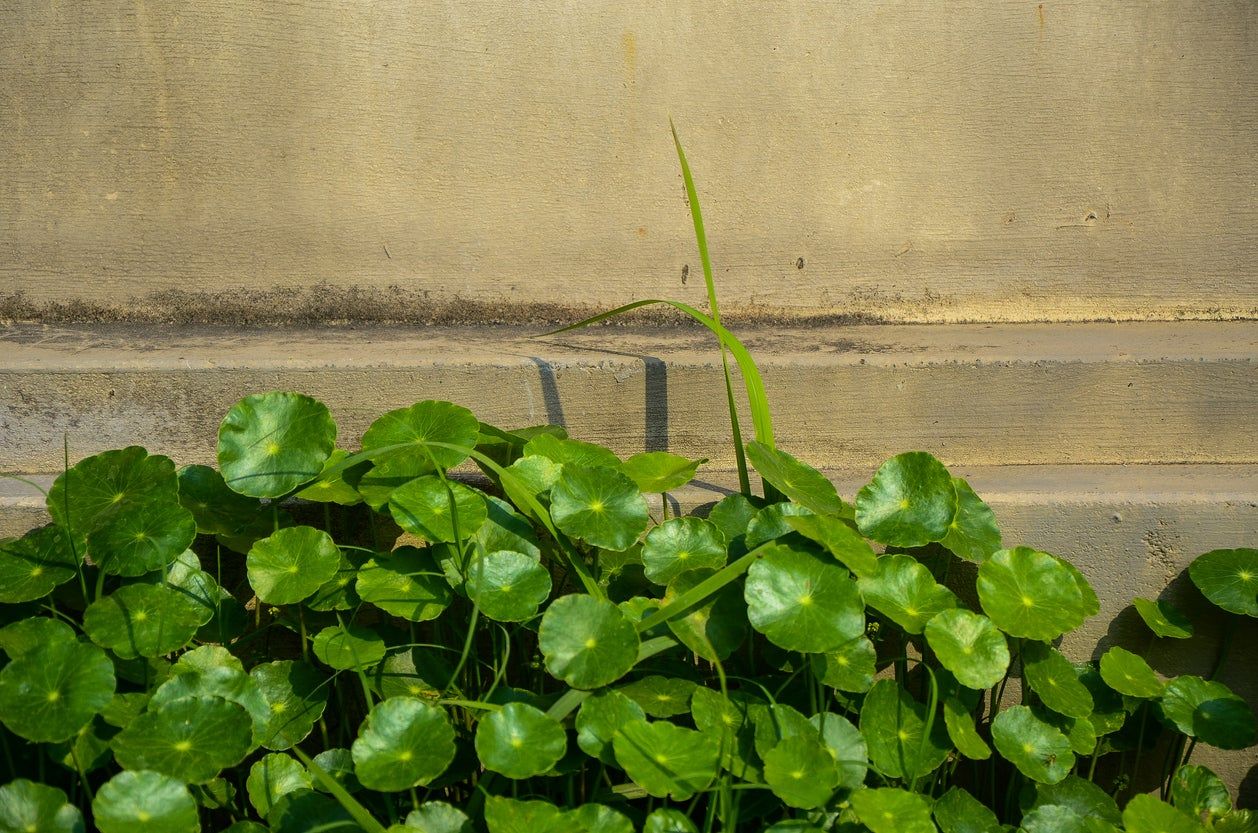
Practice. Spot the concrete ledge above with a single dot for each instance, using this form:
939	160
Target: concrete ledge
842	396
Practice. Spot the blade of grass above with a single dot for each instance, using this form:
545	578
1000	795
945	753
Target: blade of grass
701	238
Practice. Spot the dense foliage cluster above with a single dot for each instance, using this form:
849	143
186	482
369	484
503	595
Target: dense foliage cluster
307	639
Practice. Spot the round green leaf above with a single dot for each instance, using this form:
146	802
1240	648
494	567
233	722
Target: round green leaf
957	811
1209	711
31	566
714	629
331	485
1197	791
571	453
432	508
520	741
846	746
726	718
839	539
52	690
506	815
891	810
682	544
1034	746
1085	798
291	564
438	817
28	807
661	696
273	776
377	484
1051	818
143	620
1030	594
217	509
1229	578
295	694
338	763
910	502
587	642
145	802
660	471
99	487
1053	678
507	586
406	583
403	743
271	443
417	672
798	481
1163	619
904	591
597	818
426	422
665	759
1129	674
25	634
894	724
601	715
227	681
801	601
338	592
600	506
192	738
142	538
974	534
733	513
668	820
771	522
1145	814
801	772
349	647
850	667
775	723
535	473
970	646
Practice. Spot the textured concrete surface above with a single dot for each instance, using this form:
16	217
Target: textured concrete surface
842	396
229	160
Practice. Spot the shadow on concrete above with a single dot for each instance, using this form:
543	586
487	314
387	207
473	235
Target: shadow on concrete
655	396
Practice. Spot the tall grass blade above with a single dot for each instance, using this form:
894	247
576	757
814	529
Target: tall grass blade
701	238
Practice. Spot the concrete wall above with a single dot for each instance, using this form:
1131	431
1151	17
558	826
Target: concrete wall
971	160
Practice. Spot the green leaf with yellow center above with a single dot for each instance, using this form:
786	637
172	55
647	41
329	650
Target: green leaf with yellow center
291	564
1129	674
407	583
601	506
403	743
667	760
891	810
1053	678
850	667
904	591
96	488
1228	578
271	443
520	741
31	566
29	807
507	586
682	544
192	738
296	695
1038	749
894	725
349	647
970	646
53	689
910	502
801	772
1209	711
145	802
587	642
438	510
601	715
1031	594
143	620
801	601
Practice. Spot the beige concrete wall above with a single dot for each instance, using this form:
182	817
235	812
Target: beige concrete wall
915	161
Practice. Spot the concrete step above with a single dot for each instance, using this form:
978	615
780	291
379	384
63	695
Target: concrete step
842	396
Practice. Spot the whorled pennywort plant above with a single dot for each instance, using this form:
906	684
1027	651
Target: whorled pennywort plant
309	639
